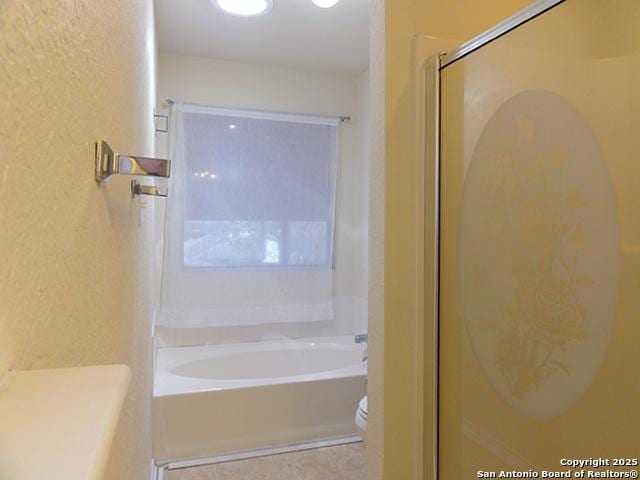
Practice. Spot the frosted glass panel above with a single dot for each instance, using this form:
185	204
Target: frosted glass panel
259	191
540	261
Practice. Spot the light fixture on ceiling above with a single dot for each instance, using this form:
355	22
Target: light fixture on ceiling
244	8
325	3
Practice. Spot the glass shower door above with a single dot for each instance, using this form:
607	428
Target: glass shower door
540	248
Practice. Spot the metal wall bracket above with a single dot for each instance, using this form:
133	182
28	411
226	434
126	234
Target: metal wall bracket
110	163
151	190
157	120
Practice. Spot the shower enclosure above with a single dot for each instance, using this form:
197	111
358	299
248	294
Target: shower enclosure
533	268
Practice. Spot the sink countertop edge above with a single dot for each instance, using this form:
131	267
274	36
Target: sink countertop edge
61	421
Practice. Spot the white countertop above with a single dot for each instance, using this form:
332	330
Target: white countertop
59	424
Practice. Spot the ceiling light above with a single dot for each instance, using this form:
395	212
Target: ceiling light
325	3
244	8
232	126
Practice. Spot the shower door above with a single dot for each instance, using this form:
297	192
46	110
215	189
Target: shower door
539	288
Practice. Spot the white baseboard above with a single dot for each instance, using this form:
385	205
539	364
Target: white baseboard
259	452
157	473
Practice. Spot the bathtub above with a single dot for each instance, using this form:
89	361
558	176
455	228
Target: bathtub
221	400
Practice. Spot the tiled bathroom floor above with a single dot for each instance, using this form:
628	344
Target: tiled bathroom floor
344	462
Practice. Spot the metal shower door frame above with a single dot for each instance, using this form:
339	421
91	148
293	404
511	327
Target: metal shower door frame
432	69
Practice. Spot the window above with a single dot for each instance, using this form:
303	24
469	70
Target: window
259	189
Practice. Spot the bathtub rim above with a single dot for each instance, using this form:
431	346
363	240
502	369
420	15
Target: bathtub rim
166	383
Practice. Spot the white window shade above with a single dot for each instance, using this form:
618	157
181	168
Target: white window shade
250	219
259	191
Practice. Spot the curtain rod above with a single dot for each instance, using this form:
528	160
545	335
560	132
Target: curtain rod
342	118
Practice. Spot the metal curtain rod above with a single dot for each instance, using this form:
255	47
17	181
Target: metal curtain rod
342	118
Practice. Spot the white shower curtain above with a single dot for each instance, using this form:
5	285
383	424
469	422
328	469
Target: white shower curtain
250	218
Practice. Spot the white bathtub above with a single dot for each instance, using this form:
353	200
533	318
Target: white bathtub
211	401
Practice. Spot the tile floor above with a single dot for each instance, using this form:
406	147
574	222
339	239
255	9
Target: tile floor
344	462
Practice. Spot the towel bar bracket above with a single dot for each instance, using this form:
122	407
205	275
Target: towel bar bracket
109	162
149	190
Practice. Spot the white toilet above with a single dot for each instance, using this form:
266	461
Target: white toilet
361	419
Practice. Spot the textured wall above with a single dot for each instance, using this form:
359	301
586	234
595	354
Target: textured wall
74	268
375	385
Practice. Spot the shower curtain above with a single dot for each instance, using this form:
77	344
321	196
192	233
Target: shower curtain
250	219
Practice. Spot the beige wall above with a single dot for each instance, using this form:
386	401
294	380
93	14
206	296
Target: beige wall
451	19
252	86
74	262
375	383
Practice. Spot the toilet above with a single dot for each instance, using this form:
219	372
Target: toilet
361	419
